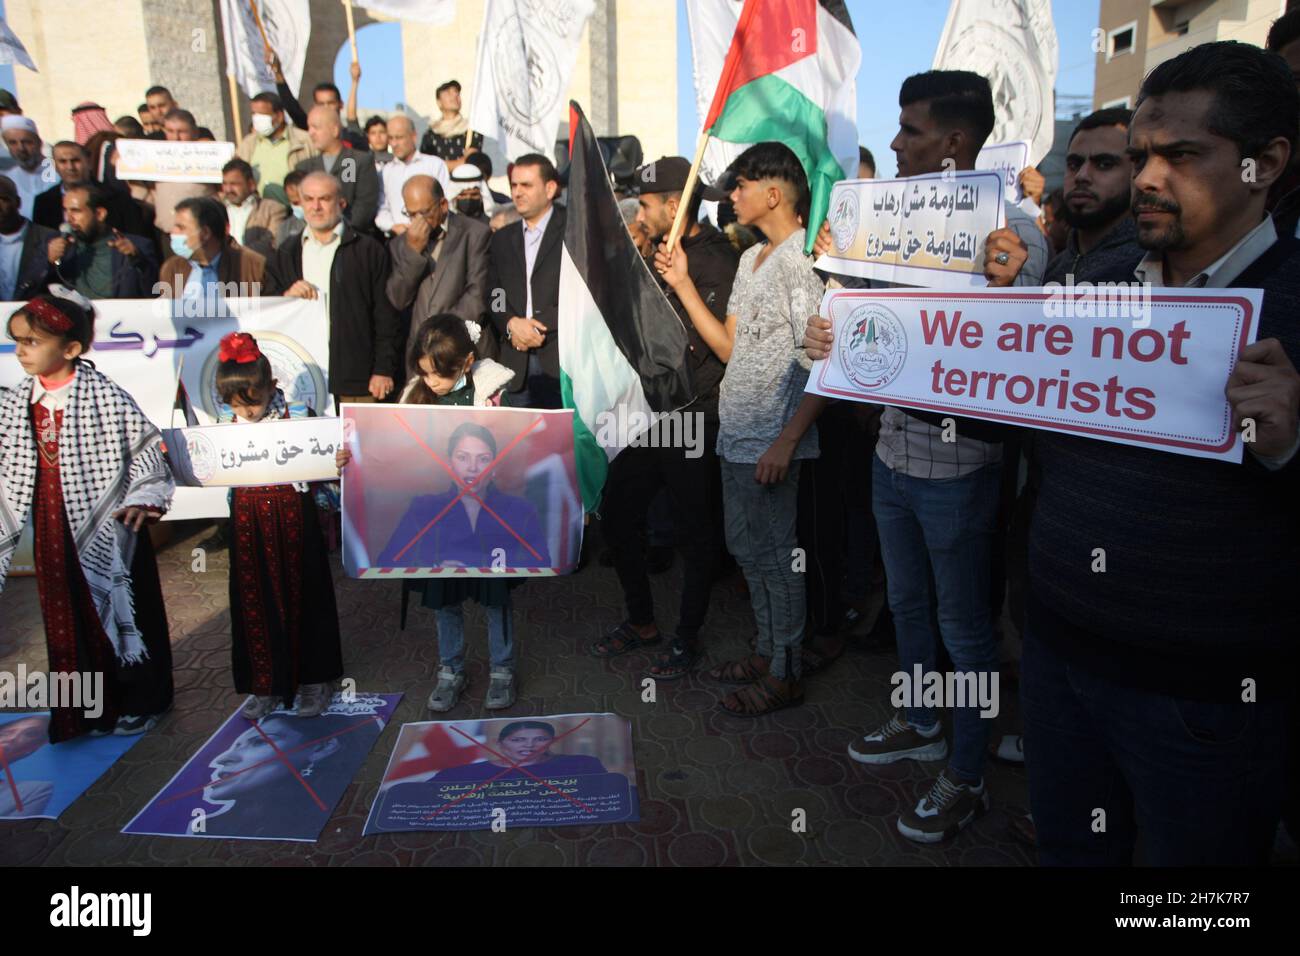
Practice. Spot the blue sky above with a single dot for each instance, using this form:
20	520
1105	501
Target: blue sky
898	39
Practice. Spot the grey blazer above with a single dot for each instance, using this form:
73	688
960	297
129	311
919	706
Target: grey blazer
456	283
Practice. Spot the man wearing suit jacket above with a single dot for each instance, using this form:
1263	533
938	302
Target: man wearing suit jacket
73	166
439	264
331	260
23	264
525	266
354	169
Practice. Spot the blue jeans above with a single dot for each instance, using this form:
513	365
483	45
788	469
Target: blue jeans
944	525
451	637
761	535
1201	782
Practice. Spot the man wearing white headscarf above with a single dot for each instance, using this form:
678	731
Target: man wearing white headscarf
32	171
470	195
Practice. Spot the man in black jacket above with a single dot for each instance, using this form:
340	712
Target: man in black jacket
97	260
24	267
524	285
331	260
353	168
690	474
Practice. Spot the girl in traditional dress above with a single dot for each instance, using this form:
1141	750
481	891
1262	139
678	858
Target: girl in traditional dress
465	536
79	457
284	623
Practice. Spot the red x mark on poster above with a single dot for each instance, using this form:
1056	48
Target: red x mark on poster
9	779
513	766
467	488
283	757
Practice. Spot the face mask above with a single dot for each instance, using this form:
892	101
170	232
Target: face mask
180	247
263	125
460	383
299	214
470	207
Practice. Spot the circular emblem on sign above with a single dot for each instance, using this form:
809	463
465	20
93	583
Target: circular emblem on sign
202	454
873	346
296	372
991	51
844	220
527	79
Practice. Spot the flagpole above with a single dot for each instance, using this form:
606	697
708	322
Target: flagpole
352	28
679	220
266	44
236	132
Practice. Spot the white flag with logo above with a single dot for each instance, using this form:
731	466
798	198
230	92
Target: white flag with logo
288	28
526	52
435	13
12	50
1013	43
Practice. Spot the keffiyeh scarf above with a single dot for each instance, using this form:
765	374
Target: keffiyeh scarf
110	457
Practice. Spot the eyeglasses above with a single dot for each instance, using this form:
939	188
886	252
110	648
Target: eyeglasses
423	214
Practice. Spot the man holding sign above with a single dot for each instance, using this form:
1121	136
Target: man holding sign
935	481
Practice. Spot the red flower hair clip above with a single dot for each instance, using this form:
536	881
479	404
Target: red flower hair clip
238	347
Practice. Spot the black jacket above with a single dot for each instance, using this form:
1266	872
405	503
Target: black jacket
133	278
365	337
34	269
711	263
508	271
124	213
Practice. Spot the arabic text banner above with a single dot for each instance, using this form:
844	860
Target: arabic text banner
158	160
921	231
266	453
443	491
277	779
566	770
146	344
1114	363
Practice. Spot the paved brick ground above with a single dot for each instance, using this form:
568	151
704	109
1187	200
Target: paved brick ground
715	790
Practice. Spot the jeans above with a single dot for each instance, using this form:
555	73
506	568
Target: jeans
451	637
761	535
1200	781
945	525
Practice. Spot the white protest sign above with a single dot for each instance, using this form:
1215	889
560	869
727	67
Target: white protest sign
921	231
1008	159
162	161
1116	363
141	345
277	452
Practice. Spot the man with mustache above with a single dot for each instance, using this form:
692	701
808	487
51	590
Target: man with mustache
1154	692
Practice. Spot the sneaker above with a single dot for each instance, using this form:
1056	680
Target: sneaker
1011	748
501	690
255	708
313	699
899	740
130	726
447	692
945	811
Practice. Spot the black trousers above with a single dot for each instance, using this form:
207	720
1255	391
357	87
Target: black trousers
823	489
694	489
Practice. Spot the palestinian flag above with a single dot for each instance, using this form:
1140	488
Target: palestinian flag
790	76
622	345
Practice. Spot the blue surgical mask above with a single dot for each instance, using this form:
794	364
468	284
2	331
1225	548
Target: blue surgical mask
298	213
460	383
180	247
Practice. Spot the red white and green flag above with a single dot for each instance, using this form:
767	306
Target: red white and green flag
789	75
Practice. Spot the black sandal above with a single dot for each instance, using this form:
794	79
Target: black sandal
763	697
620	640
676	664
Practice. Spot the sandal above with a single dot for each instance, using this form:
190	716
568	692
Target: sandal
744	671
620	640
676	664
763	697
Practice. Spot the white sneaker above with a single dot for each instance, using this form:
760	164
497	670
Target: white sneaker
945	811
1011	748
447	692
896	739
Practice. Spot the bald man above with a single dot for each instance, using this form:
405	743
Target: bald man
331	260
439	263
406	162
353	168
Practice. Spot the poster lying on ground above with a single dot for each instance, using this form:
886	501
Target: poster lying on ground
275	779
38	779
443	491
565	770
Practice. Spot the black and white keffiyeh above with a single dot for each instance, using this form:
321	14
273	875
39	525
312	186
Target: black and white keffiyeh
110	457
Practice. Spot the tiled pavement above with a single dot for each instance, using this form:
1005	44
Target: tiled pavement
715	790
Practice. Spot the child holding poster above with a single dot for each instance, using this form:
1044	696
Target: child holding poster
79	457
443	351
284	624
